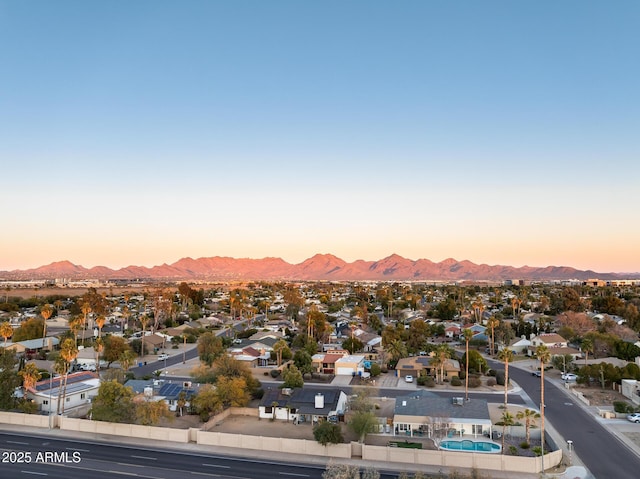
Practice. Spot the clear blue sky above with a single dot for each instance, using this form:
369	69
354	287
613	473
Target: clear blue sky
498	131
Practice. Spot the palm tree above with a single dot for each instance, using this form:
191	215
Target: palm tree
544	356
46	311
529	416
442	354
587	347
60	367
68	352
467	334
98	347
30	376
86	309
144	320
493	323
507	420
6	331
279	347
126	359
506	356
100	320
75	325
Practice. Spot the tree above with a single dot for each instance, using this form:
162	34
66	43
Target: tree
363	423
100	320
126	359
30	376
279	348
544	355
46	311
328	433
232	391
149	413
302	360
10	380
352	345
467	334
144	320
446	310
113	403
114	348
29	329
207	402
181	402
98	347
506	356
476	361
227	366
210	348
75	325
292	378
6	331
493	323
68	353
587	347
529	416
507	420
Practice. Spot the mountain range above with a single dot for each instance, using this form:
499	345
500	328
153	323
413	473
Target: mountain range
318	267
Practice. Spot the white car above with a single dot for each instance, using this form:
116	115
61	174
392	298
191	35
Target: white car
635	417
408	378
162	357
569	377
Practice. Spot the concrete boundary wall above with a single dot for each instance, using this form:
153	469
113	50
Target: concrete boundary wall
129	430
276	444
459	459
20	419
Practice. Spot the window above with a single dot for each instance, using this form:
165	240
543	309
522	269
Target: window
268	410
83	395
45	402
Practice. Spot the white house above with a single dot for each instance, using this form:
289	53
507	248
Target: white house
351	365
303	405
81	388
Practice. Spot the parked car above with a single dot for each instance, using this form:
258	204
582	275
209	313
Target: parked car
569	377
635	417
163	356
408	378
536	373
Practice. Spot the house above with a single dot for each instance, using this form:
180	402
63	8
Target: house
31	346
250	356
303	405
326	363
350	365
518	346
631	390
428	415
422	365
153	342
452	330
161	390
81	388
557	345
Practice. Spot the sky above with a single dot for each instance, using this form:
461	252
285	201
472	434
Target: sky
143	132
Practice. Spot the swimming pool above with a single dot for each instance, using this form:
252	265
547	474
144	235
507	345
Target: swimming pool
471	446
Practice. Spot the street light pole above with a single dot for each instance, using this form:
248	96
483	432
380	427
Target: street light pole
570	444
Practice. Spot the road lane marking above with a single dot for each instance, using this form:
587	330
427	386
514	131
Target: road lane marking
293	474
128	464
217	465
146	457
77	449
35	473
18	442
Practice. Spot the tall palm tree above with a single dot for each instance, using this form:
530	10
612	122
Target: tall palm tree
6	331
529	416
68	352
587	347
86	310
493	323
100	320
60	368
442	354
467	334
144	320
98	347
30	376
506	356
75	325
279	347
126	359
46	311
544	356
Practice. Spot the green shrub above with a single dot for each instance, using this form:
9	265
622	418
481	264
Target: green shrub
491	382
491	372
537	451
455	381
429	382
524	445
622	407
475	382
513	450
274	373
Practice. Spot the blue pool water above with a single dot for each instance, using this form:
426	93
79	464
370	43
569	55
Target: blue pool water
470	446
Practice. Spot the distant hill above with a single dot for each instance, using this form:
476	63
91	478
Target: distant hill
318	267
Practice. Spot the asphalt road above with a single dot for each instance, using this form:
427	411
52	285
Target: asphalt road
601	452
25	455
